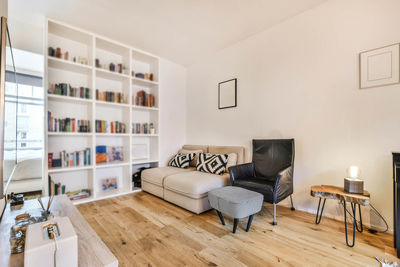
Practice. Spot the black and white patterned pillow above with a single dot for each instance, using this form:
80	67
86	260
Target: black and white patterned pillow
181	160
212	163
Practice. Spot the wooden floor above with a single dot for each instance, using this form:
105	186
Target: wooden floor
143	230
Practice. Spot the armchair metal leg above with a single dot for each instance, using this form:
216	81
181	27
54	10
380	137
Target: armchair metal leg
291	201
274	222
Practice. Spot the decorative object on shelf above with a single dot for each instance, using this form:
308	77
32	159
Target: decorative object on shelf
151	77
52	52
109	184
74	59
67	125
109	154
67	90
144	99
17	201
98	65
140	151
112	67
58	53
227	94
353	184
66	55
73	159
110	96
139	75
152	129
133	74
147	76
119	68
116	127
380	67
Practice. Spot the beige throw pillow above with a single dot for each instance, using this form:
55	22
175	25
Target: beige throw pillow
187	151
232	161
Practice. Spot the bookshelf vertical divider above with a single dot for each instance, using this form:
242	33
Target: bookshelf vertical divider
82	44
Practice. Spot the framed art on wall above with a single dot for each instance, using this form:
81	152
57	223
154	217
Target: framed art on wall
227	94
380	67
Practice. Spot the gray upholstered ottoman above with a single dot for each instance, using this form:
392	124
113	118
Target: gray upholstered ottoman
235	202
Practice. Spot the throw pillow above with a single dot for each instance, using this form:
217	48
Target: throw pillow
181	160
189	151
211	163
232	161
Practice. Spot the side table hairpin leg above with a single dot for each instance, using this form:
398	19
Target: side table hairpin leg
319	215
353	208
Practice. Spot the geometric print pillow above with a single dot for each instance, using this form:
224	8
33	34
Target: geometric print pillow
181	160
212	163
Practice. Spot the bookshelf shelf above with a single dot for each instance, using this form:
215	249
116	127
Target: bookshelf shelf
144	82
112	164
67	65
144	161
145	135
68	134
68	99
144	108
106	74
105	103
69	169
90	46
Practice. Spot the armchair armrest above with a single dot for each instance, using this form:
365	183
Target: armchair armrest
241	171
284	184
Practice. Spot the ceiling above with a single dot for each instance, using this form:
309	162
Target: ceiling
182	31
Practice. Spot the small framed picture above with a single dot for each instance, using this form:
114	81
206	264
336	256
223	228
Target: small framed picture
380	67
109	184
227	94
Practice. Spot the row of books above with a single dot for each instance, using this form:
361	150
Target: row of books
67	125
109	154
109	96
144	99
73	159
143	128
60	189
66	89
103	126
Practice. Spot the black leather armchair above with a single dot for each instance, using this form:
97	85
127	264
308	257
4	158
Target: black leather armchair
270	173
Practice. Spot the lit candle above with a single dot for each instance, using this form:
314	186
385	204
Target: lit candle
354	172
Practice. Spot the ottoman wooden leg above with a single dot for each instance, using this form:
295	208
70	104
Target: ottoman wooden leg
235	223
249	222
220	217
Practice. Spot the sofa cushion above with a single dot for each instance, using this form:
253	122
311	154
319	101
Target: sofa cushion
195	184
156	175
232	161
238	150
181	160
204	149
211	163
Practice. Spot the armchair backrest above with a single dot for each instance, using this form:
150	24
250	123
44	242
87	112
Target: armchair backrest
270	156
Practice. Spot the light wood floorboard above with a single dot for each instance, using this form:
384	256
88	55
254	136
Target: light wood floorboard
144	230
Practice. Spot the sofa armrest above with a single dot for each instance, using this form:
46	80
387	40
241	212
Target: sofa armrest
241	171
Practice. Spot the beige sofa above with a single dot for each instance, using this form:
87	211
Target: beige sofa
188	188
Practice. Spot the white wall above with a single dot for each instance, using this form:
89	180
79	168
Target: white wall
172	109
3	8
300	79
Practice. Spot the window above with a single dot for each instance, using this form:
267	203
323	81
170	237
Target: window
24	113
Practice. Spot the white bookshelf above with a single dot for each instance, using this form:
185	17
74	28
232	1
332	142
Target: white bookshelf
81	43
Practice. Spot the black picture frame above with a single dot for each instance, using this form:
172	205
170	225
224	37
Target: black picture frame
219	94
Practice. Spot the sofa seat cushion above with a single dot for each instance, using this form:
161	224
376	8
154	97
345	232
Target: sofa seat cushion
157	175
195	184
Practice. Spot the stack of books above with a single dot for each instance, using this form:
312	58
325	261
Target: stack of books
73	159
67	125
67	90
109	96
103	126
144	99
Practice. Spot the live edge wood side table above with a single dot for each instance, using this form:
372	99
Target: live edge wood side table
91	249
338	193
